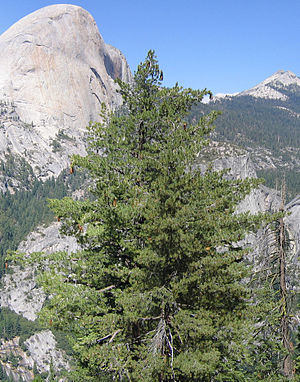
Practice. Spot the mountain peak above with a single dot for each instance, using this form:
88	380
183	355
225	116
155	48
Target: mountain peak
56	60
272	86
284	78
55	72
51	18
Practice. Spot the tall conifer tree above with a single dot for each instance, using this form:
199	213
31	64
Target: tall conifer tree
155	294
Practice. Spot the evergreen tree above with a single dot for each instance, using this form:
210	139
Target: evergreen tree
155	294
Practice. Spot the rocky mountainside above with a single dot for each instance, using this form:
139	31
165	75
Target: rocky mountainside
273	87
40	356
21	294
265	121
55	71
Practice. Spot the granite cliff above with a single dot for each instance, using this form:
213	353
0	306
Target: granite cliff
55	71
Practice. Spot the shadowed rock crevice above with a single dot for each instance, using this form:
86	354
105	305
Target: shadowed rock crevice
109	67
97	75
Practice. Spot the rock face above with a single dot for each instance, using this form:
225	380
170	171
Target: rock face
41	352
55	71
20	294
49	240
293	224
22	371
262	199
19	291
273	87
227	156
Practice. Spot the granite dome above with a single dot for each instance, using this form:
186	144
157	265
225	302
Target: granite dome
56	69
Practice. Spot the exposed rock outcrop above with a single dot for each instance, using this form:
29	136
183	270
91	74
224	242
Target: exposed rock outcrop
38	351
10	352
55	71
42	348
293	224
21	294
19	291
262	199
273	87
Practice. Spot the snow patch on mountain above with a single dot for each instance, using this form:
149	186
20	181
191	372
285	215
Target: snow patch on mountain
222	96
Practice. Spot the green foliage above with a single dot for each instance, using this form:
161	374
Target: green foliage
297	355
274	178
156	293
265	347
12	325
56	146
23	211
17	168
252	123
62	341
38	378
258	122
274	305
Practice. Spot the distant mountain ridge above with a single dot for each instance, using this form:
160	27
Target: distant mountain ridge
276	86
265	121
273	87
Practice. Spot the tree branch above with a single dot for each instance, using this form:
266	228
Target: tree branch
106	289
111	336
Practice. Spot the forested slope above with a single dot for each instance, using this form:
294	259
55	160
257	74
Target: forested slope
268	129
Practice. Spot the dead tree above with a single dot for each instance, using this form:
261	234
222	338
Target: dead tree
284	306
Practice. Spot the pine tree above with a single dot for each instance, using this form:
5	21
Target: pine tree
155	294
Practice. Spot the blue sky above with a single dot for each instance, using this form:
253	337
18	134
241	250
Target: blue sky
224	45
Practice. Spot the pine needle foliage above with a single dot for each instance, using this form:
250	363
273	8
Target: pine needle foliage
155	294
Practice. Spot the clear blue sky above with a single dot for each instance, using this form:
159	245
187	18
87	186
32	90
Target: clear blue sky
224	45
